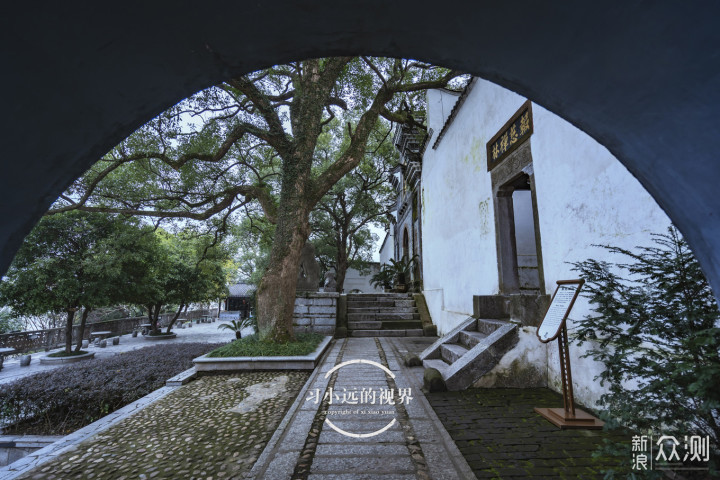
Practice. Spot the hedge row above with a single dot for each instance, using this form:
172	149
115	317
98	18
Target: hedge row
65	399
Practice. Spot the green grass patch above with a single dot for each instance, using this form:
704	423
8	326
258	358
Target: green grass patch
63	353
251	346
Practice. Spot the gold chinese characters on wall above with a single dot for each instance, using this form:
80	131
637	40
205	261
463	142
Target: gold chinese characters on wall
510	136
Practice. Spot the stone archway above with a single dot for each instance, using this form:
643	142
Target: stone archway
641	78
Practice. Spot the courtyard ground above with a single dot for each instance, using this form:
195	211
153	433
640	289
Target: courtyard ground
236	426
197	431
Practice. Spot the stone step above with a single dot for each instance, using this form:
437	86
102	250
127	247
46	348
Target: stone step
405	303
401	324
471	364
386	333
486	326
380	317
352	296
451	352
382	310
438	364
368	325
371	304
381	303
470	339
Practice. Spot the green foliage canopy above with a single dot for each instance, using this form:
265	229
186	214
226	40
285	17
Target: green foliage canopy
364	197
73	260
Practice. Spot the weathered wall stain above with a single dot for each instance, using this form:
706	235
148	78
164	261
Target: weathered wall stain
484	217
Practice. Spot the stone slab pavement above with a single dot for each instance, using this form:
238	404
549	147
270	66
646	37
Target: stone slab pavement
501	436
203	333
342	425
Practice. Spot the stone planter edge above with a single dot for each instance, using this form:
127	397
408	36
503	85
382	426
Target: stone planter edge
60	360
229	364
160	337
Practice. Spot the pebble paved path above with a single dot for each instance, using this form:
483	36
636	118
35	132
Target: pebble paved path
195	432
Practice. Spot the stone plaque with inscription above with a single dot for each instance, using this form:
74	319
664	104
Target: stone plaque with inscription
511	136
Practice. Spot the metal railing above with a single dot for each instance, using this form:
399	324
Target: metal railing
49	338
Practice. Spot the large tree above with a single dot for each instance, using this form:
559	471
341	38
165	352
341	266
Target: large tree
251	145
185	268
342	218
74	262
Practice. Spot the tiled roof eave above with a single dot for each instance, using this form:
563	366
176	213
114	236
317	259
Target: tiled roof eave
454	111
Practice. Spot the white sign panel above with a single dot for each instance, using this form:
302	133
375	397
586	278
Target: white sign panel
559	309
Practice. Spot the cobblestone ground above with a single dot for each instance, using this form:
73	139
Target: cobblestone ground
196	432
501	436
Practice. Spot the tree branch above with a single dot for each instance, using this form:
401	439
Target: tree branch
277	137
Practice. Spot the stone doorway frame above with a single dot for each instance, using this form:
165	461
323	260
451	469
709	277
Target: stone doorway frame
516	170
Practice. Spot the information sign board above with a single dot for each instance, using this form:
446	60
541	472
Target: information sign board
560	306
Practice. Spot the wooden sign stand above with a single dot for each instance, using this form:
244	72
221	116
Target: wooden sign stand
552	327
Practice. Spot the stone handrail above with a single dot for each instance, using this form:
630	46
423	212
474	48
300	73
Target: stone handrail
53	337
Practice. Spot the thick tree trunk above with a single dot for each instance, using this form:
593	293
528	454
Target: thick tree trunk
156	319
342	267
83	320
68	330
153	317
276	293
177	315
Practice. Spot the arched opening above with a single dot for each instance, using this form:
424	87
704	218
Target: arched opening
631	120
646	95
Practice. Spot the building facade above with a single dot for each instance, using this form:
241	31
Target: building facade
502	198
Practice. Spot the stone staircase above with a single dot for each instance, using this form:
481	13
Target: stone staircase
470	350
383	315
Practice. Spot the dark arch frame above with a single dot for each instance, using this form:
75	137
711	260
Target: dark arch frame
642	78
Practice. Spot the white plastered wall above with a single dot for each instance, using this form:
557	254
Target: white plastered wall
584	197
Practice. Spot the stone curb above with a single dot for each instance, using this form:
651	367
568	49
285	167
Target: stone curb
52	451
62	360
181	378
159	337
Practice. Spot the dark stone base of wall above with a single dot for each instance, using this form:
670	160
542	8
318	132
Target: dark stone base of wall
527	310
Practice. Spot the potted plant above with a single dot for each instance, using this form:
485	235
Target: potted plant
237	326
402	270
396	273
384	278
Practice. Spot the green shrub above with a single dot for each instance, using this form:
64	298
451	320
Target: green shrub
251	346
64	399
656	331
